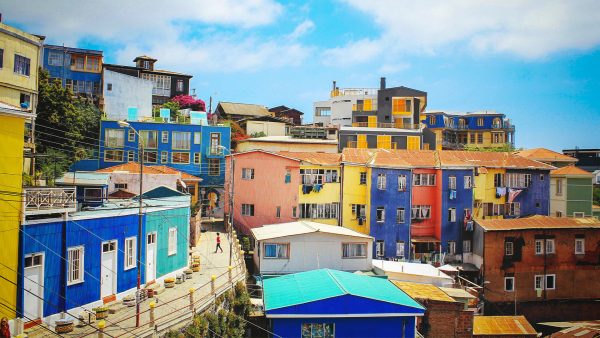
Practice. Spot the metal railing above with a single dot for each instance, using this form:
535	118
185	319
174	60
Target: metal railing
43	200
354	92
214	151
386	125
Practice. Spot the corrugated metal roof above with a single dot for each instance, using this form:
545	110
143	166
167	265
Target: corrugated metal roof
358	155
314	285
545	155
489	159
410	268
134	168
502	325
314	158
457	293
405	158
539	222
299	228
84	178
571	170
233	108
577	332
423	291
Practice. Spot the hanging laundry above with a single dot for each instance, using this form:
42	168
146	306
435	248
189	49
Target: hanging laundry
500	191
317	187
306	189
512	194
469	226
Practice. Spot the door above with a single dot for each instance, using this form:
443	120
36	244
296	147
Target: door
151	257
215	142
108	282
33	285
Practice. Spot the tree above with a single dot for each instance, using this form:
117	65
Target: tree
187	101
503	148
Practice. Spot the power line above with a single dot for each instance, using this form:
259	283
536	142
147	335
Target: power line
30	319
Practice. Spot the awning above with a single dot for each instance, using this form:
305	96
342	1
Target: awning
448	268
468	267
424	239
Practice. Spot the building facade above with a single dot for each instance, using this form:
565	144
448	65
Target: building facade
547	156
587	159
122	92
486	129
571	192
77	69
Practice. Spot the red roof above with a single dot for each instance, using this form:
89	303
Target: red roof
539	222
314	158
121	194
571	170
134	168
545	155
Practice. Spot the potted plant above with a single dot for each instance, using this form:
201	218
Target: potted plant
63	325
101	312
169	282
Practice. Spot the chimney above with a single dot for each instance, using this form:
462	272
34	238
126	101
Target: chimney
382	85
334	85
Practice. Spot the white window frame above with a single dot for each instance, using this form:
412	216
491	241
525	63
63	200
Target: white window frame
541	283
400	215
173	153
130	156
581	249
513	284
400	247
401	182
354	250
451	247
130	253
550	246
466	246
468	182
247	173
546	281
130	135
197	137
80	267
538	247
164	157
363	174
277	250
509	248
381	181
452	215
247	209
164	136
181	140
172	241
380	248
382	218
452	182
197	158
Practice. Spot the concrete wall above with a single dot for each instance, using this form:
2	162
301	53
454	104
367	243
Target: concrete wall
150	181
313	251
127	91
268	128
287	146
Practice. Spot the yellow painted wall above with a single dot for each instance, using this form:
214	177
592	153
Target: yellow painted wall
355	193
11	84
413	142
330	193
487	140
11	170
485	192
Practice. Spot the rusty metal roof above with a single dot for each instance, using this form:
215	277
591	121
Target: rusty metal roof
356	155
545	155
423	291
489	159
571	170
539	222
502	325
405	158
314	158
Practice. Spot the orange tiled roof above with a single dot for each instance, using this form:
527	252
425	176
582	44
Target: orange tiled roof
314	158
545	155
502	325
539	222
571	170
423	291
356	155
489	159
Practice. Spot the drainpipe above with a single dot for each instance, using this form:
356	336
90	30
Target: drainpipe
63	265
410	191
341	214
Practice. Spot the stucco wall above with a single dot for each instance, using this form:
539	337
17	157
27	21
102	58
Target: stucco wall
558	203
150	181
268	128
287	146
127	91
354	193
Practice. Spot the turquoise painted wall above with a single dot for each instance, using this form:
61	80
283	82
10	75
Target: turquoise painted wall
161	221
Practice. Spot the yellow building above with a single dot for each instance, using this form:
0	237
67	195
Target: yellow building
20	60
356	189
12	129
319	188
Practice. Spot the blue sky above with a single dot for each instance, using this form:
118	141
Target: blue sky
536	61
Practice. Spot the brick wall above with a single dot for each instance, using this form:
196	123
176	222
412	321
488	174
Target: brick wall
445	319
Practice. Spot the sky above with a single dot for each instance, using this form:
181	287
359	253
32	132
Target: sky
537	61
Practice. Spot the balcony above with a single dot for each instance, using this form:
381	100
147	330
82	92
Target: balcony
354	92
214	152
386	125
43	200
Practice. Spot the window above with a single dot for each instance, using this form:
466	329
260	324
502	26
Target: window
93	64
93	194
518	180
380	214
468	183
172	241
509	284
381	182
214	167
130	253
354	250
248	173
424	179
508	248
479	138
146	64
472	138
150	156
179	86
312	176
149	138
247	209
480	122
24	100
164	137
278	212
550	282
538	282
215	142
513	209
466	246
196	158
311	210
452	182
359	212
542	176
420	212
114	138
277	250
578	214
197	138
288	176
21	65
180	157
498	180
294	212
161	85
109	87
400	215
75	261
181	140
401	182
539	246
130	135
432	120
400	249
318	330
55	59
380	248
120	185
130	156
33	260
331	176
363	178
1	58
498	209
579	246
550	246
164	157
452	215
497	138
323	111
111	155
451	247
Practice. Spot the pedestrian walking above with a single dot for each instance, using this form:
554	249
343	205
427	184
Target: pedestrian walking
218	243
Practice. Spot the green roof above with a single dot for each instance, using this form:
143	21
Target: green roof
314	285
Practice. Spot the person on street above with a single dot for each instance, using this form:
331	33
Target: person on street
218	243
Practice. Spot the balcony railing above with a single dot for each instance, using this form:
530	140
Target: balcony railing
354	91
214	152
386	125
49	200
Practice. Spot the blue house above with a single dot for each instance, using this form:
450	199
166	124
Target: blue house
76	68
79	260
329	303
530	188
457	204
191	148
91	188
390	212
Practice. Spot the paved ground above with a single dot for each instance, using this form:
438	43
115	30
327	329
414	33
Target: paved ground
173	305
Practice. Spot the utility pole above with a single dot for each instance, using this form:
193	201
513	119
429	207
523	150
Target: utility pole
139	242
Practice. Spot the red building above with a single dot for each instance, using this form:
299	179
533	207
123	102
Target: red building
546	268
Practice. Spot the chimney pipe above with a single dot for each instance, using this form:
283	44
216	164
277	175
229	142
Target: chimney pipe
334	85
382	85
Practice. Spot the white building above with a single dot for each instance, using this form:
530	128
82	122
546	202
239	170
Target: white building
338	109
412	272
301	246
122	92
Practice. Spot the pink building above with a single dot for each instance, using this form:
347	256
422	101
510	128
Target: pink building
266	189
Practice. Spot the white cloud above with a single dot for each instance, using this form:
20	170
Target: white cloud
303	28
354	52
528	29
